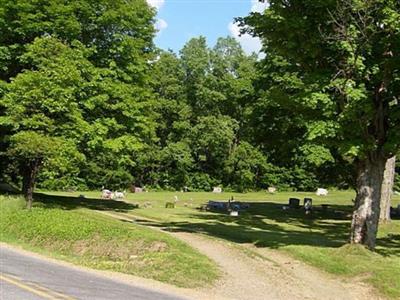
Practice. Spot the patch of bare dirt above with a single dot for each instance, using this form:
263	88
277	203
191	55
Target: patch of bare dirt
158	247
271	274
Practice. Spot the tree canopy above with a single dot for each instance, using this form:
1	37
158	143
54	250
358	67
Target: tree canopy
335	64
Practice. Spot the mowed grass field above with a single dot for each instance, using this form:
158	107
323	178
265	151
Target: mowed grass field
319	239
84	237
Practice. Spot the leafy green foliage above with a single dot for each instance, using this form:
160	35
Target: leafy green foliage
346	61
26	145
247	167
87	73
334	64
79	71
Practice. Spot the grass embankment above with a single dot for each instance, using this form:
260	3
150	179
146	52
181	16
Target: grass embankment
87	238
319	240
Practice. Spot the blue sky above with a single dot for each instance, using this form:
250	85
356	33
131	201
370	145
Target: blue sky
180	20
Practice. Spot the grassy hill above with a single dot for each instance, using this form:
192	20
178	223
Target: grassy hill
85	237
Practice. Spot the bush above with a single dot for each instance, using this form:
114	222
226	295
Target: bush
302	180
202	182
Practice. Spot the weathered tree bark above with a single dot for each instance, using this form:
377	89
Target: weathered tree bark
29	178
364	226
387	189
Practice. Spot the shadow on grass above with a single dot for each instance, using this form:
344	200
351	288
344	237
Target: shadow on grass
268	225
70	203
265	224
389	245
8	189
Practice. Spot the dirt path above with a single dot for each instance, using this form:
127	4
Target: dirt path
271	275
261	273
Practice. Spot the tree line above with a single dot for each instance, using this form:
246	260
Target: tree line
87	100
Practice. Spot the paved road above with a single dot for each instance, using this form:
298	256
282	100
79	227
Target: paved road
32	278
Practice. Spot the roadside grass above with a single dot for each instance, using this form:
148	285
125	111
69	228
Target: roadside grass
319	240
85	237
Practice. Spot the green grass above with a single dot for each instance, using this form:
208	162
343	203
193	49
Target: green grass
319	240
87	238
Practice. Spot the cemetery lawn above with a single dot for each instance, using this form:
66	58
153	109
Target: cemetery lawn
319	240
84	237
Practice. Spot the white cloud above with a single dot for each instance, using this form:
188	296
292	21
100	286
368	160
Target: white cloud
156	3
160	25
257	6
250	44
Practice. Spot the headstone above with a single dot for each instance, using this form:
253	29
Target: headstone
217	190
217	205
106	194
321	192
307	201
307	205
271	190
294	203
138	190
234	213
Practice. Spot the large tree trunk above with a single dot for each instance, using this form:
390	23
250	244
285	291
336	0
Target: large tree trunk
387	189
28	183
364	226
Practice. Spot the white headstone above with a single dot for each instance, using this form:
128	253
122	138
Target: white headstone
234	213
321	192
217	190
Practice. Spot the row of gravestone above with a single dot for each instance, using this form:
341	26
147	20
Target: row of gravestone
295	202
136	189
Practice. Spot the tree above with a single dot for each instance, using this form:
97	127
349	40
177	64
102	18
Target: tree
174	113
245	168
203	100
233	73
195	59
212	141
41	112
85	68
120	31
31	150
335	64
